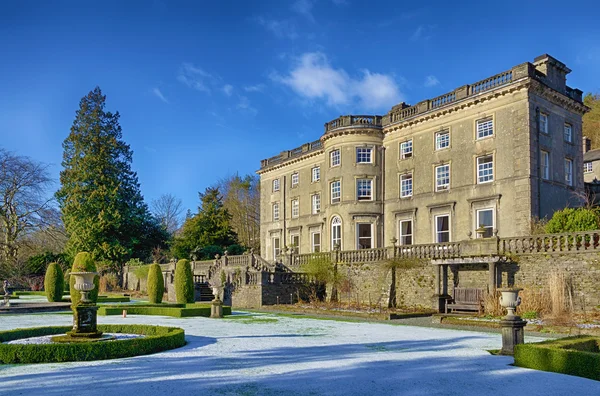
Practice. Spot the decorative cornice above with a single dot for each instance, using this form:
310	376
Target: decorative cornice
353	130
289	162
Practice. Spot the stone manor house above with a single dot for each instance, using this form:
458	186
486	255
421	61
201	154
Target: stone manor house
482	160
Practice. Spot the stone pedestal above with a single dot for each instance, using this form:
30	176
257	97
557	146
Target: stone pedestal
216	309
512	334
85	321
439	302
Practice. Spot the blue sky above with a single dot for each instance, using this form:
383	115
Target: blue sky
206	89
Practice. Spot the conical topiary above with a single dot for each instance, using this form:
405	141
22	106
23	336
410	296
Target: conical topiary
54	283
83	263
155	284
184	282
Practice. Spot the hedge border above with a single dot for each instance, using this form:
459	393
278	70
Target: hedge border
571	355
157	339
173	310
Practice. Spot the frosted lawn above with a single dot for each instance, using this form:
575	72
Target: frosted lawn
271	355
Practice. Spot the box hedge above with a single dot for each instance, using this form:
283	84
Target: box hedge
173	310
578	356
157	339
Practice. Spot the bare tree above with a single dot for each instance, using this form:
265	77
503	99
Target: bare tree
168	209
24	203
242	200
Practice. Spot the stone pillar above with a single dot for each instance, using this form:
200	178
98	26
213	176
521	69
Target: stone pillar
512	334
437	280
445	279
85	321
216	309
492	278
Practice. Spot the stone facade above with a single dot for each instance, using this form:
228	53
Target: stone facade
496	154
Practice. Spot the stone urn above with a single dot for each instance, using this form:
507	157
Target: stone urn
84	313
84	283
510	300
216	307
216	292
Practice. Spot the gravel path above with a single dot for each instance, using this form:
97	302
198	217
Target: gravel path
263	354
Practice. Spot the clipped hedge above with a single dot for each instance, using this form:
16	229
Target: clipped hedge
83	263
157	339
155	284
104	299
175	310
184	282
54	283
578	356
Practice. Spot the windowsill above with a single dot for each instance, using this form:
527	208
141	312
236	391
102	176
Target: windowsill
485	182
406	197
445	190
405	158
441	149
485	137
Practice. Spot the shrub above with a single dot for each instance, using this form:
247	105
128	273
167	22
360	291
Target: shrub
578	356
184	282
235	250
83	263
155	285
109	282
157	339
54	283
209	252
571	219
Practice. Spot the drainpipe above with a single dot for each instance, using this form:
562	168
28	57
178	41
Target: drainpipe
539	163
382	196
283	237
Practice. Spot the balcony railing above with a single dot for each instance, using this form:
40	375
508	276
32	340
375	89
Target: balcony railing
294	153
353	120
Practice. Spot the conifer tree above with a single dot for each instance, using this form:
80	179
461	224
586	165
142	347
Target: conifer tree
102	207
210	227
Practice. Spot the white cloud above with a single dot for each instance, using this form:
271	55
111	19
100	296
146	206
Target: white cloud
228	89
422	32
281	29
431	81
159	95
194	77
254	88
304	8
314	78
245	106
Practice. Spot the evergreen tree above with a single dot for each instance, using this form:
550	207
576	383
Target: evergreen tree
102	207
211	226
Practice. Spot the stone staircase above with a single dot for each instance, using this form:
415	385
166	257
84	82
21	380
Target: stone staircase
203	292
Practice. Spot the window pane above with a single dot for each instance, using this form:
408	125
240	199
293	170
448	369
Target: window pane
442	140
442	229
485	128
364	189
406	185
485	219
485	169
336	192
364	236
363	155
406	232
442	178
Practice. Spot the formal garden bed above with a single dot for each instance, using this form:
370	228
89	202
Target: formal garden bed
173	310
155	339
350	310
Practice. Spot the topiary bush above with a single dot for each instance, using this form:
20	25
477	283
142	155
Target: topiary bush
83	263
573	219
184	282
155	284
54	283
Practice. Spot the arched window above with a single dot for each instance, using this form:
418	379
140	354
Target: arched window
336	232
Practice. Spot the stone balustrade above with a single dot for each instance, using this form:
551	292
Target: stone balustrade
294	153
353	121
550	243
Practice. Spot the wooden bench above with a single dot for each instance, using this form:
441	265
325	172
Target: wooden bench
466	299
